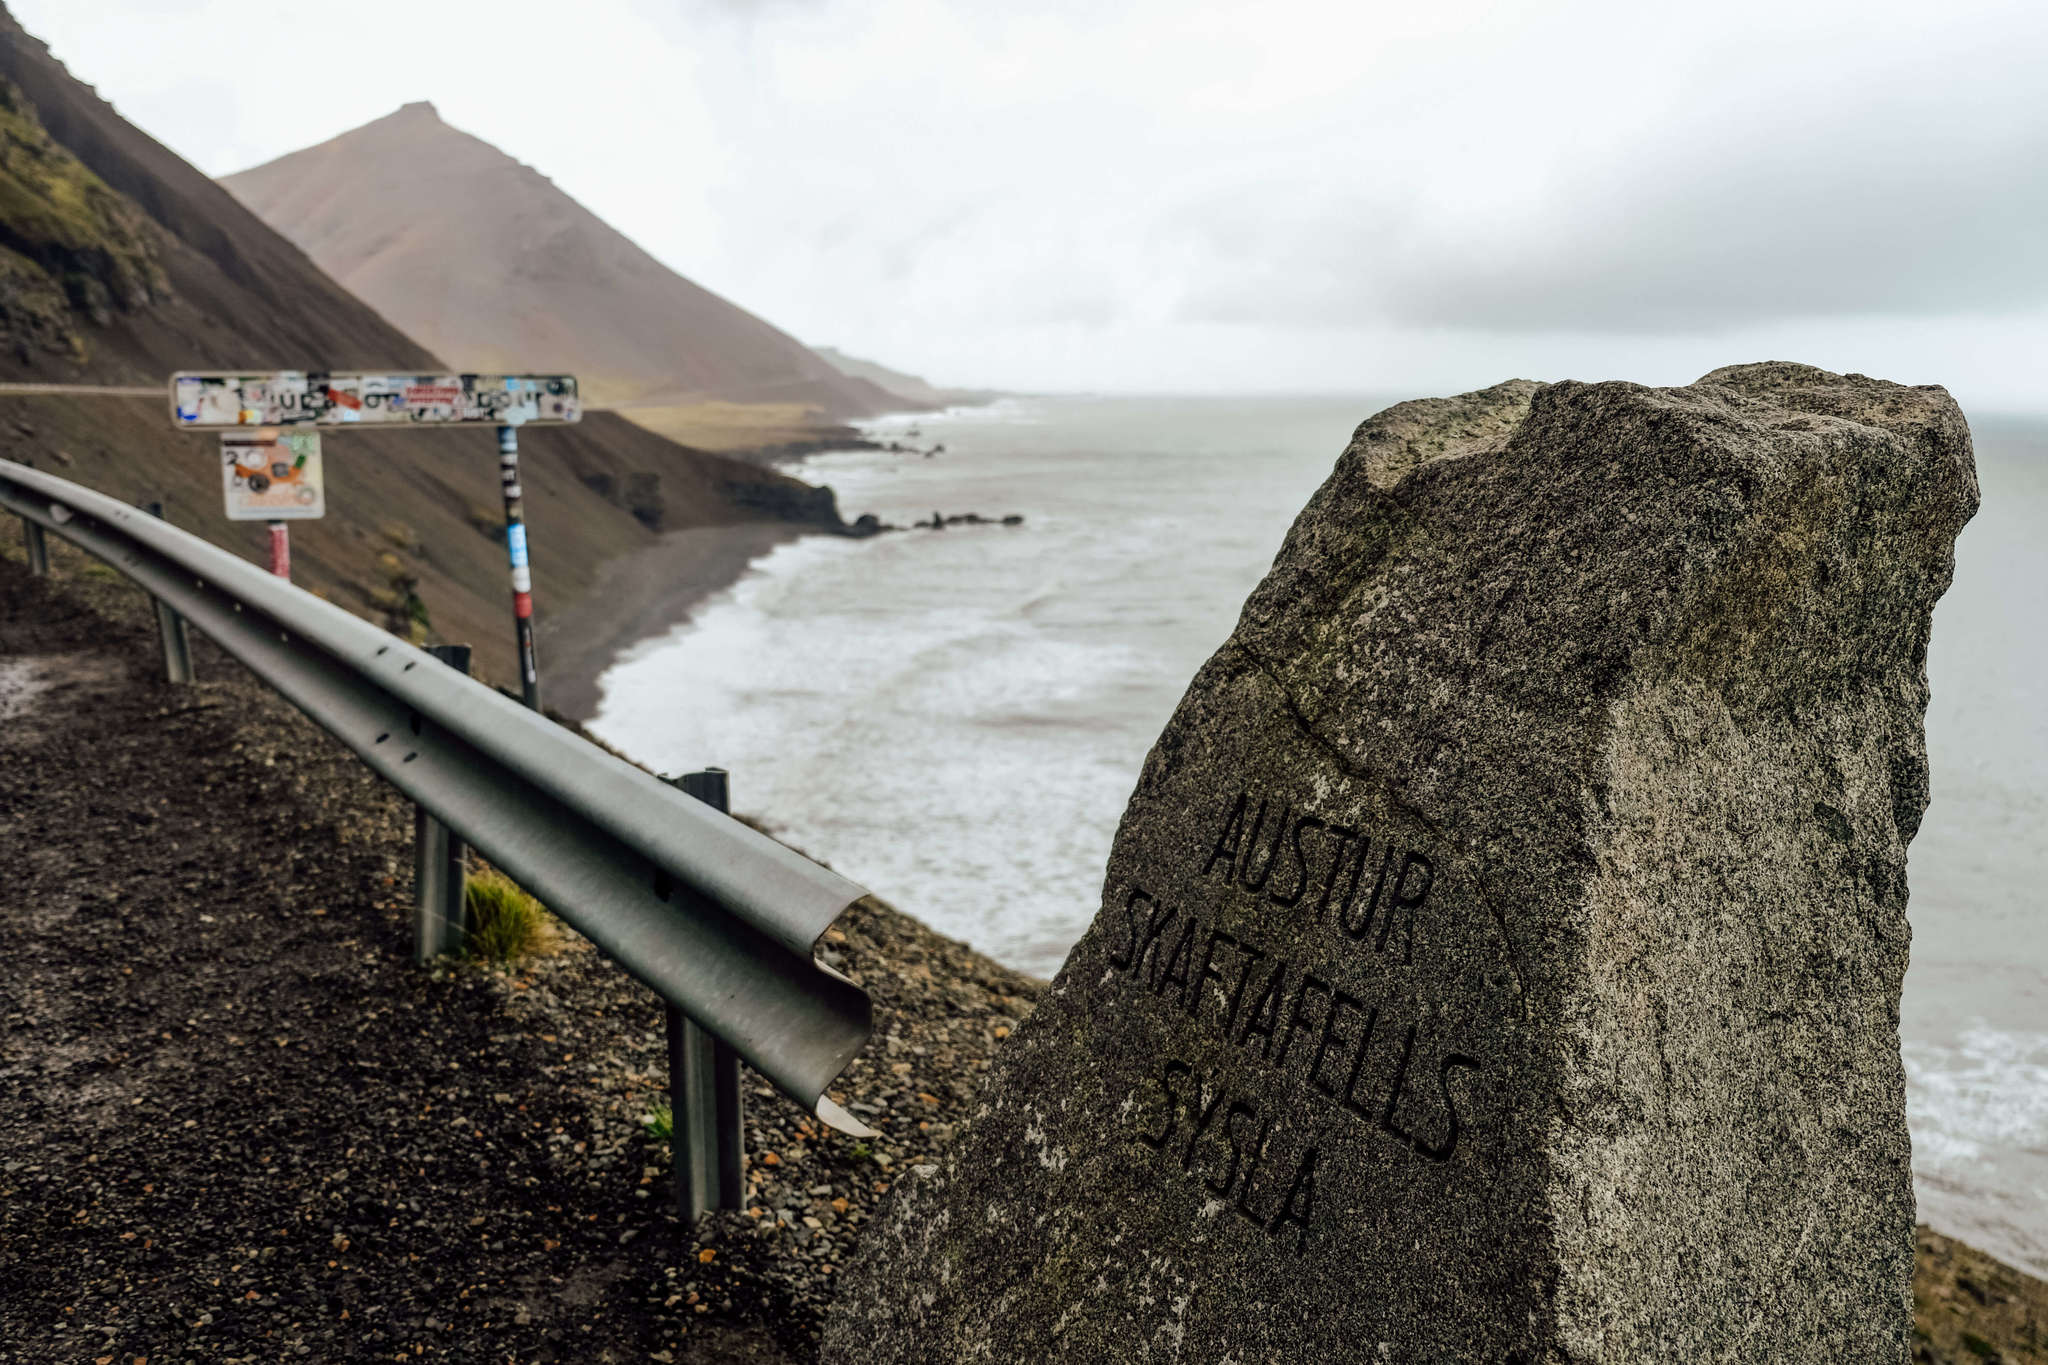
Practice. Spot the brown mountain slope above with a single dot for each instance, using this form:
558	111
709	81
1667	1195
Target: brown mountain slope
119	263
238	294
429	224
893	381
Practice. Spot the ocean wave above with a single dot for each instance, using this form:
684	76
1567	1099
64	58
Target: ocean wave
1978	1110
1988	1089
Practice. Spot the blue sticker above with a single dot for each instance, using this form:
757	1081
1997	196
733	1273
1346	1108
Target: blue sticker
515	541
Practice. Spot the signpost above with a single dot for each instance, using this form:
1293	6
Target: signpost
221	401
522	576
273	476
213	401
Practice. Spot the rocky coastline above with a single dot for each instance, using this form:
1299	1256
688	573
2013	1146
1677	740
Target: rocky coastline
651	590
780	452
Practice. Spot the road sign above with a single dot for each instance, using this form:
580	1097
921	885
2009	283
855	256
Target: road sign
268	475
205	401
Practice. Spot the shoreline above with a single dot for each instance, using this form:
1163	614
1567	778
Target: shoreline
650	591
642	594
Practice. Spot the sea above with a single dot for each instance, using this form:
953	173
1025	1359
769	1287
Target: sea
955	717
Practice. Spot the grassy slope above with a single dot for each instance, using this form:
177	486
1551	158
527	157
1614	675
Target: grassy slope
69	245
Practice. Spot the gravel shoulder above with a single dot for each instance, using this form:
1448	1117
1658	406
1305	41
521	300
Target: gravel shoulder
236	1124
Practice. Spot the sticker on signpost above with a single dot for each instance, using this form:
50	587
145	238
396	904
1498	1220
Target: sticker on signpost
272	476
206	400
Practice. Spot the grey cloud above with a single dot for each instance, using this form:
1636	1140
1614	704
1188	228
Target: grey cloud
1931	201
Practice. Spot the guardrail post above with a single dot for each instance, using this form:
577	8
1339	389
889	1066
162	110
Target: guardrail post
707	1113
38	549
440	895
170	627
32	542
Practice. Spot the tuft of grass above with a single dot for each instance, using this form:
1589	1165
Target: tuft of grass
504	922
659	1121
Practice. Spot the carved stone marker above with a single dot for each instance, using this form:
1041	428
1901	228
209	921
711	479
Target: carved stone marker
1500	958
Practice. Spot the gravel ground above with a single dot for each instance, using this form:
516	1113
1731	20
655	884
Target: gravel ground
236	1124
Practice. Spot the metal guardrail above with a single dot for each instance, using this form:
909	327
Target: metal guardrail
718	919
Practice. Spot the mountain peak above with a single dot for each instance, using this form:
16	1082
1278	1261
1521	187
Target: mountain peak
428	223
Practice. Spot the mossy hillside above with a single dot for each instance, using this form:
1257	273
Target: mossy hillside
71	243
34	313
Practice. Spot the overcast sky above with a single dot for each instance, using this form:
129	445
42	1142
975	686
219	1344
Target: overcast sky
1183	195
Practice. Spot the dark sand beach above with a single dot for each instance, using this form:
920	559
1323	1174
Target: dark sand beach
639	595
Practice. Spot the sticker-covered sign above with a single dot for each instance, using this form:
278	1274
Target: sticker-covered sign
210	401
272	475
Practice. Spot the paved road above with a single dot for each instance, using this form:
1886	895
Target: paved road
87	390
